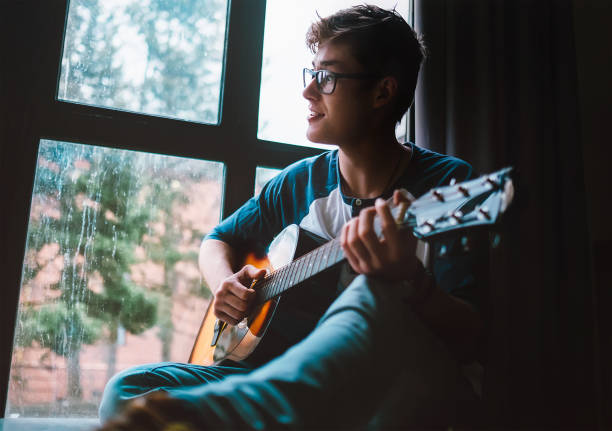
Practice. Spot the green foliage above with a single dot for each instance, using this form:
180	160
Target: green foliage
183	77
139	311
181	43
99	225
108	203
58	327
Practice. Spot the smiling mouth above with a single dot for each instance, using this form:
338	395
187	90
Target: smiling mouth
314	116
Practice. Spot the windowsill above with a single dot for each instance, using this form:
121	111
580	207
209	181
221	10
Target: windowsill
48	424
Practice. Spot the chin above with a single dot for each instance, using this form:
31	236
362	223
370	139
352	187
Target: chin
313	137
317	136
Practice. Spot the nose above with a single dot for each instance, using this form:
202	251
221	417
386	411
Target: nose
311	92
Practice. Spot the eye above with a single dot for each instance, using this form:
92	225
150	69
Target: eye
327	78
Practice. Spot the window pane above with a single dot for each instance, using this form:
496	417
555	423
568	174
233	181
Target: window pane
110	276
156	57
282	109
262	176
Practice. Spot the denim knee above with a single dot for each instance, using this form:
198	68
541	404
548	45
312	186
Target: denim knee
122	387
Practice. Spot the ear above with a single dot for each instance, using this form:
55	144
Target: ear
386	89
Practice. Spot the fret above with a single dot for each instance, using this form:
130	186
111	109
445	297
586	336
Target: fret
286	271
275	281
339	252
331	253
296	272
322	255
272	285
319	256
272	280
286	280
303	264
316	261
334	252
278	280
299	269
282	282
268	286
291	278
263	287
310	263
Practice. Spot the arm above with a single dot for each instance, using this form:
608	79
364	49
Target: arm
217	261
453	320
233	295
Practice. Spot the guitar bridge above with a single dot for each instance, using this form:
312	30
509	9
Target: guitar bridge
219	327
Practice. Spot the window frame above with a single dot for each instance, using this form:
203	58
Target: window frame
32	42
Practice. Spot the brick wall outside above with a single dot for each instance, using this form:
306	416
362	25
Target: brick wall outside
39	377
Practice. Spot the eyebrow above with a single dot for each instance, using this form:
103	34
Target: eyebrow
327	63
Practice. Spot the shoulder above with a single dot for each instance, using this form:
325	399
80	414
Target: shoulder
430	169
312	173
431	163
320	163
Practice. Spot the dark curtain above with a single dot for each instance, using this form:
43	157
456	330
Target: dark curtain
499	88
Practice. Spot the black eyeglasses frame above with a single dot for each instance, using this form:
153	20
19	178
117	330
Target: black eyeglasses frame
318	74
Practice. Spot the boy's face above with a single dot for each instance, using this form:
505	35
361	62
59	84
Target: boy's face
345	115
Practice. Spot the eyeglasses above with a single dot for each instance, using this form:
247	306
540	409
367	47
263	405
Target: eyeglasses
326	80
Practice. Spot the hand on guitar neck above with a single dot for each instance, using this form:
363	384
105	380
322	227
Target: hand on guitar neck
391	254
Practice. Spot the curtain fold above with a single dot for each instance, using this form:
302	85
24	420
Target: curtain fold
499	88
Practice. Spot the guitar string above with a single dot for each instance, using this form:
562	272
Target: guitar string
290	273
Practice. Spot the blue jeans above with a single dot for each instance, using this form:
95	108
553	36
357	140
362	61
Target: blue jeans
368	354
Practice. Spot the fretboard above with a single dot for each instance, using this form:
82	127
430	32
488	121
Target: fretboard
300	269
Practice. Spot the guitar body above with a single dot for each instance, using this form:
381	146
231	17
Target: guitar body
217	341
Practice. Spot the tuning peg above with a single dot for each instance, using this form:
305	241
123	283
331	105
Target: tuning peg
491	180
464	191
438	195
484	212
456	217
428	225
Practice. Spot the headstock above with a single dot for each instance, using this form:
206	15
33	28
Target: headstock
464	205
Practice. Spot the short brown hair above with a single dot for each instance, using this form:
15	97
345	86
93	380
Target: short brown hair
381	40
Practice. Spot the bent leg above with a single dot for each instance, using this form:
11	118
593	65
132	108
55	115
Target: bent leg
337	376
141	380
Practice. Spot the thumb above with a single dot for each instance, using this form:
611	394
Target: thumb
254	273
402	195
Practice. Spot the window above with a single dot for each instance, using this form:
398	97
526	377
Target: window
262	176
163	58
110	278
282	109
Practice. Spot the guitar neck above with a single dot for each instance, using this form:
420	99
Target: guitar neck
302	268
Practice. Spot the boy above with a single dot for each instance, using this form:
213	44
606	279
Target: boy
363	79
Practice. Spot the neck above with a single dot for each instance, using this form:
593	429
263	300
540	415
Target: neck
369	167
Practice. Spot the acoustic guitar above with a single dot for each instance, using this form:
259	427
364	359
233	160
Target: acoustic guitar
448	210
